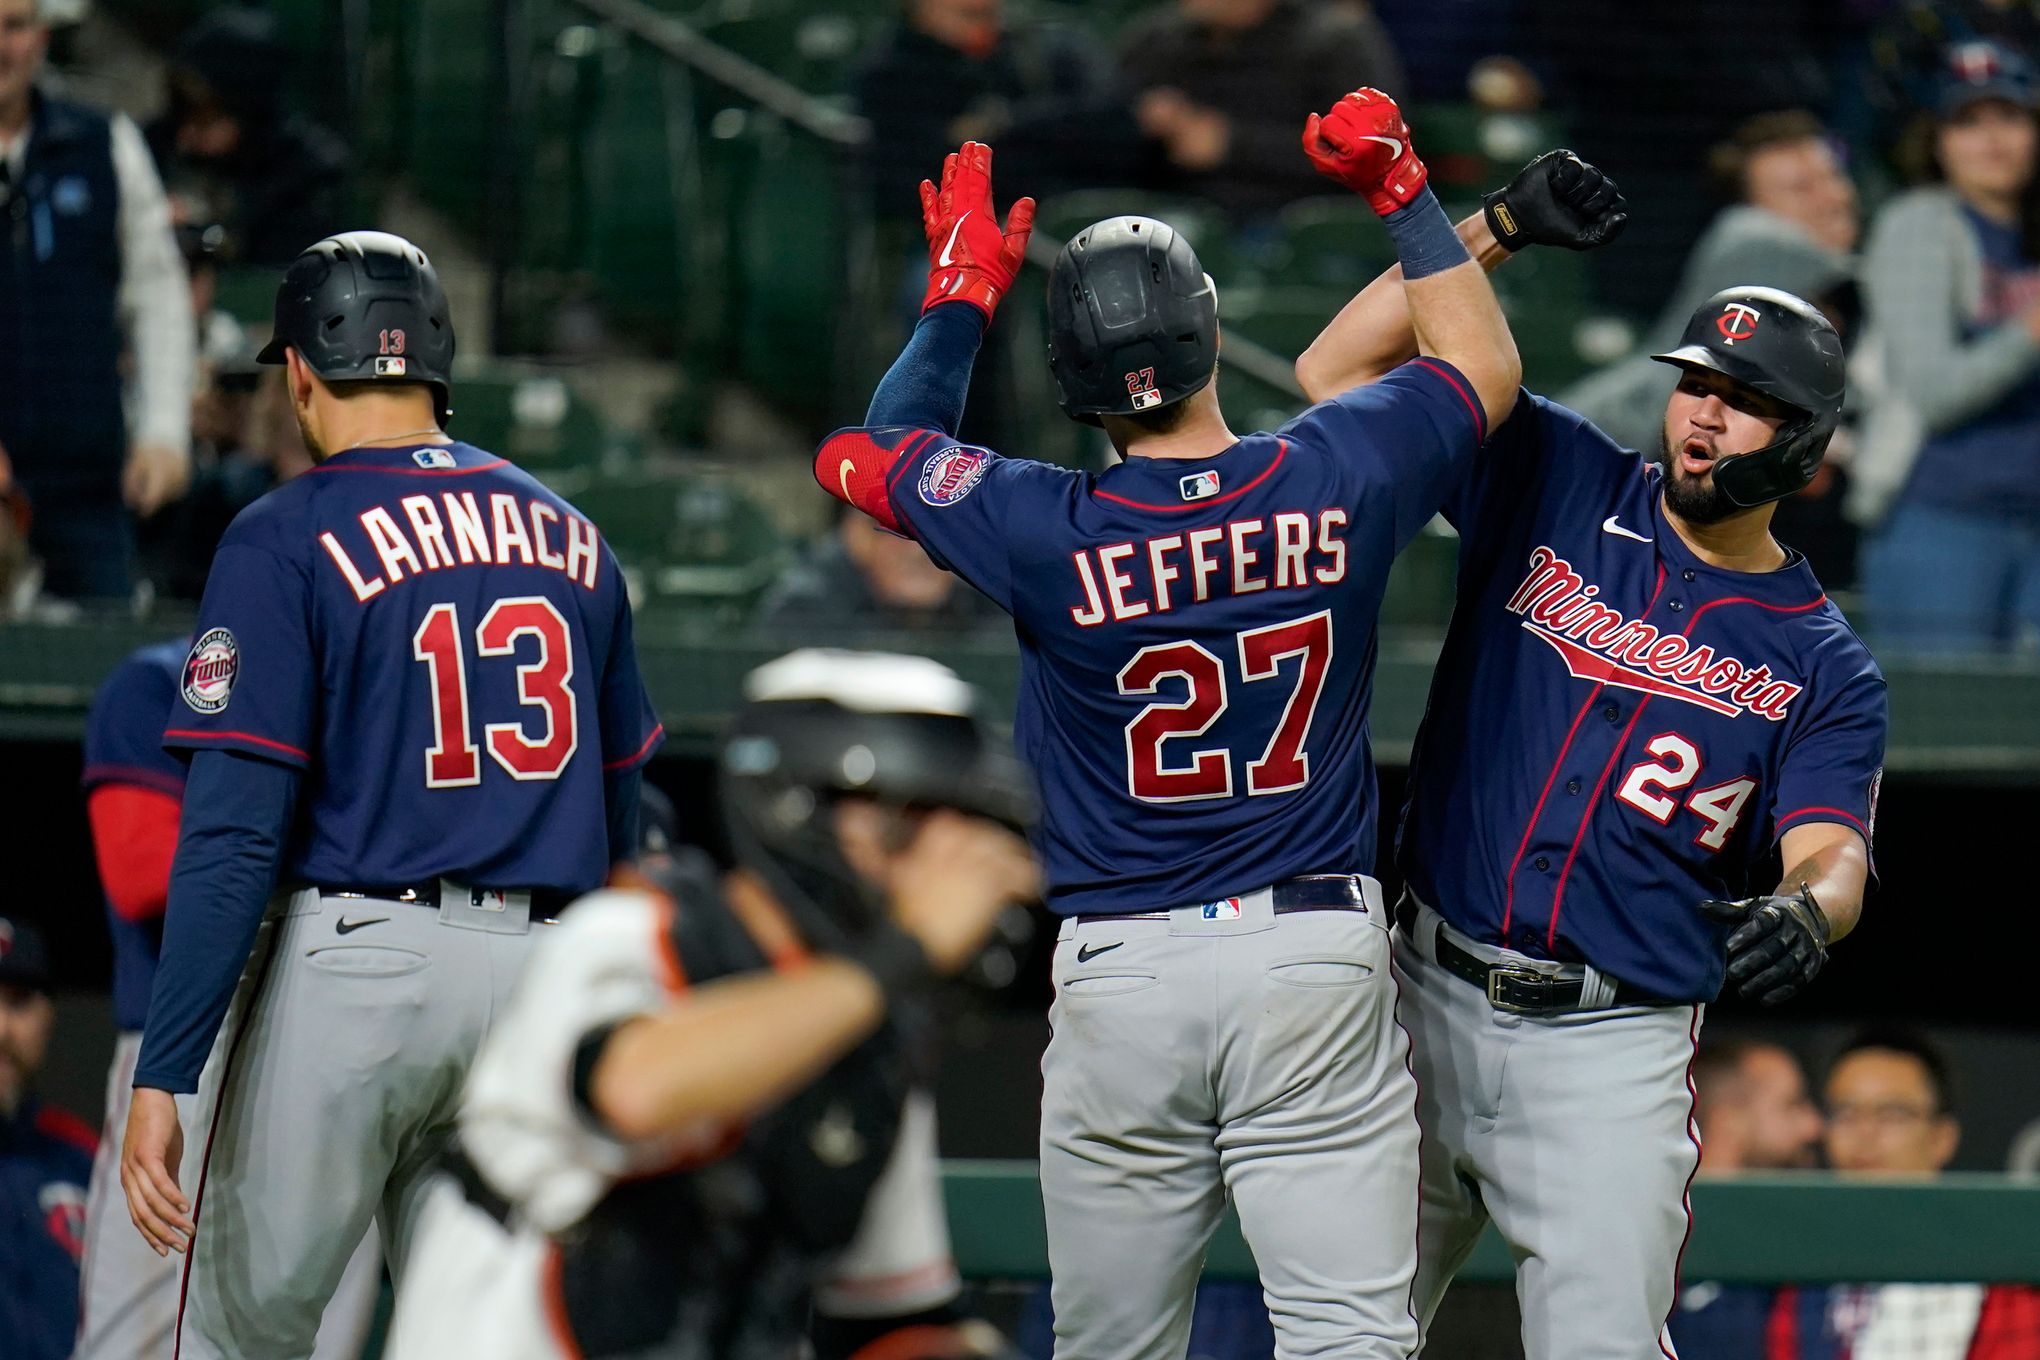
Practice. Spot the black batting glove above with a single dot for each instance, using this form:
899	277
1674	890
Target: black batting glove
1778	944
1557	200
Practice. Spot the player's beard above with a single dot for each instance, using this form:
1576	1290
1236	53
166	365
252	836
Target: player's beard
319	455
1696	500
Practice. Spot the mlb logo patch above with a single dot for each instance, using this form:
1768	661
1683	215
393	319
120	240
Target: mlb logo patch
1199	486
432	459
210	670
389	368
1225	909
951	475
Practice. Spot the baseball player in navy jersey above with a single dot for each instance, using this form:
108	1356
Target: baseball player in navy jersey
1197	632
696	1109
134	796
415	725
1642	698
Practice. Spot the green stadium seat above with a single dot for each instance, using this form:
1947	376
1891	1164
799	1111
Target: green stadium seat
537	421
814	48
1422	581
1284	320
1471	150
1330	243
689	537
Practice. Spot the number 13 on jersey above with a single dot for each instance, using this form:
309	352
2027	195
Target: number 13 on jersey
1302	645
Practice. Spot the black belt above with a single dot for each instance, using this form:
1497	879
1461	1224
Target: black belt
546	903
454	1161
1315	892
1513	986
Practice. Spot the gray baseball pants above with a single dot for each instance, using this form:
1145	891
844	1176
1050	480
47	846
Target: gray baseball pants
1228	1051
1574	1132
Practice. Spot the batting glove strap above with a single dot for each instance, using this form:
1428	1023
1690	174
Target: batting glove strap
1556	200
1778	946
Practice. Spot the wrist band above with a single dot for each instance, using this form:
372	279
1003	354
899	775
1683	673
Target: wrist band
895	958
1506	226
1424	238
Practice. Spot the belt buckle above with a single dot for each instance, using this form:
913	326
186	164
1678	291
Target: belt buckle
1501	974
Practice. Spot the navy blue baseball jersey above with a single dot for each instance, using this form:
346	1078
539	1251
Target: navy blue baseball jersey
443	647
124	745
1616	729
1197	638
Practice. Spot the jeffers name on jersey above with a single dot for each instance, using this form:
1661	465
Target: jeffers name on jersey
1284	551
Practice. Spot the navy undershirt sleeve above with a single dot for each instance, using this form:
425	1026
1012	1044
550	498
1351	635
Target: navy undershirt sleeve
237	812
926	385
620	796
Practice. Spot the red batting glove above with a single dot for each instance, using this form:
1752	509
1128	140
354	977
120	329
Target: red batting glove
1364	144
970	258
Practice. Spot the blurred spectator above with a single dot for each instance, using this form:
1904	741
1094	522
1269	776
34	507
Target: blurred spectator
1952	275
1891	1112
234	461
1221	87
861	579
231	151
1896	74
950	71
13	538
45	1164
1792	222
1754	1115
86	263
1753	1109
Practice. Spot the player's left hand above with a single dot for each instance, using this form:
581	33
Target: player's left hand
149	1154
1557	200
971	258
1778	945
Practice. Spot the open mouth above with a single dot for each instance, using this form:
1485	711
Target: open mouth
1696	457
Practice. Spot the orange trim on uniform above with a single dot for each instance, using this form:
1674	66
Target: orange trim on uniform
672	972
927	1341
552	1301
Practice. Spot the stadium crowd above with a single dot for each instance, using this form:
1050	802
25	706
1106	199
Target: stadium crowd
1880	157
1877	156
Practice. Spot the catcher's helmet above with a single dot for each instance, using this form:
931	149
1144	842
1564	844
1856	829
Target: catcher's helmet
1781	346
366	306
1132	320
822	724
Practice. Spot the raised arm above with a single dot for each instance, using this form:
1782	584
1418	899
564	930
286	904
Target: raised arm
1557	199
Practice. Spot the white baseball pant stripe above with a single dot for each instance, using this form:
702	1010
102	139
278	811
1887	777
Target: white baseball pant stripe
1574	1133
128	1294
1256	1058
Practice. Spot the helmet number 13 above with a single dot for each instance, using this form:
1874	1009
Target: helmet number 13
1282	767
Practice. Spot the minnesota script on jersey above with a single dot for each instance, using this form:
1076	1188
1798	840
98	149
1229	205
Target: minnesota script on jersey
1616	729
444	647
1197	638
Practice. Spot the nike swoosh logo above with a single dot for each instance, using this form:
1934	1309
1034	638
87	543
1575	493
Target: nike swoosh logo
1085	953
950	244
347	927
843	471
1609	526
1394	146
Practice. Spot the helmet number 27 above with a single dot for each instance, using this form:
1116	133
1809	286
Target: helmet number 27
1281	768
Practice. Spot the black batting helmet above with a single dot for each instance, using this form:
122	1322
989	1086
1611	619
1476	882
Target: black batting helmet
823	724
1132	320
366	306
1780	345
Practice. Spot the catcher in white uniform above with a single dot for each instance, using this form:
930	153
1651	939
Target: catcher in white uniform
694	1127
